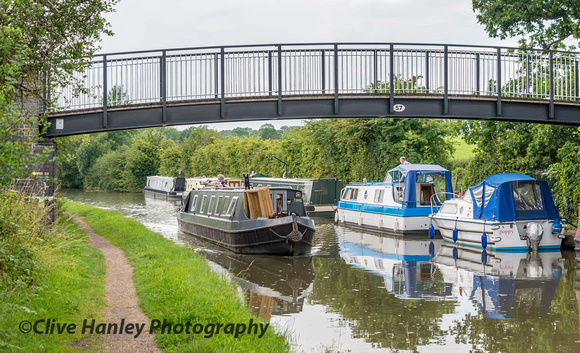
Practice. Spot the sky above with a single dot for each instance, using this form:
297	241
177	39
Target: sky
154	24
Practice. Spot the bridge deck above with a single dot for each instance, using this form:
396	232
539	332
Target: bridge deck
300	81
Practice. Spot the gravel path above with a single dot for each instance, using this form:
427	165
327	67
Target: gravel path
122	302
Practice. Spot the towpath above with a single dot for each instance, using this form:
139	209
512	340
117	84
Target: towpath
122	302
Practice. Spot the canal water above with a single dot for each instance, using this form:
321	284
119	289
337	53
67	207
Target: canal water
361	291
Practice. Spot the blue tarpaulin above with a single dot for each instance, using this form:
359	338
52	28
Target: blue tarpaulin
512	196
410	173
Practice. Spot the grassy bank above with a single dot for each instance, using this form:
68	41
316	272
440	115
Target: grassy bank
46	274
177	285
463	151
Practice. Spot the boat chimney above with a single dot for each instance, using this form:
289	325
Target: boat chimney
246	181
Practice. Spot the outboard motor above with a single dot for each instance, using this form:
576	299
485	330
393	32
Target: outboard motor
534	233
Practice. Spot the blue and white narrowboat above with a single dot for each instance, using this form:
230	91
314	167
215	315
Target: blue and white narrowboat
505	212
402	203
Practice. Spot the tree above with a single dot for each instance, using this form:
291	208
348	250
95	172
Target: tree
56	38
40	40
117	96
545	23
268	132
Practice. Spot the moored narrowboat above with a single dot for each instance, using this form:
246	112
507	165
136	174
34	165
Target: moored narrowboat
320	196
258	221
165	188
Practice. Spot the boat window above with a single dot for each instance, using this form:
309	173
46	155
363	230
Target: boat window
379	193
424	178
203	204
232	206
220	206
398	192
354	194
346	194
212	203
527	196
394	177
477	195
193	204
366	194
448	208
279	204
488	192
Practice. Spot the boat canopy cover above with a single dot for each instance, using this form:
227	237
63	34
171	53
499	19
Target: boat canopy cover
512	197
411	175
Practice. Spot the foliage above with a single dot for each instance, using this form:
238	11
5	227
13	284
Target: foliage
171	162
144	159
45	272
117	96
353	149
40	40
400	84
545	23
235	156
268	132
54	37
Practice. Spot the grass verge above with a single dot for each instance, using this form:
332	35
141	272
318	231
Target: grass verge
65	283
463	151
177	285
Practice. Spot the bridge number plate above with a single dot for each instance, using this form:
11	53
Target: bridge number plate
59	124
397	108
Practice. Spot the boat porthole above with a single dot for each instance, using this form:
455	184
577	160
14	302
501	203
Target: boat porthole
366	194
461	210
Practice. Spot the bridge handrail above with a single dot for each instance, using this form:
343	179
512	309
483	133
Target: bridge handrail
331	69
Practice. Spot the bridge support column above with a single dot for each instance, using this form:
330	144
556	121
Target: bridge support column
42	180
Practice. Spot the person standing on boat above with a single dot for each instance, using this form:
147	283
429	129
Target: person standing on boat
403	160
221	181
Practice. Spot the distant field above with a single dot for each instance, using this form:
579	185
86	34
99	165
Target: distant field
463	151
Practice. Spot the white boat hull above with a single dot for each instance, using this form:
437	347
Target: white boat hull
379	221
501	236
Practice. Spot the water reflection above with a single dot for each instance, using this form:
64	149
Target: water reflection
385	290
403	262
371	292
272	285
503	285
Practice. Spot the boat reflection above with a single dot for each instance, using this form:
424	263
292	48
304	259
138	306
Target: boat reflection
272	285
503	285
403	262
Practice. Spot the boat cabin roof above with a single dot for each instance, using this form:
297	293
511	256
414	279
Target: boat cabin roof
418	169
512	197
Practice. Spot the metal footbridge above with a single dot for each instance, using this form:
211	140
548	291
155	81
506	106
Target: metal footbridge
329	80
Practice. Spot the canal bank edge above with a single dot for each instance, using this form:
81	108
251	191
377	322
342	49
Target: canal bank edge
175	284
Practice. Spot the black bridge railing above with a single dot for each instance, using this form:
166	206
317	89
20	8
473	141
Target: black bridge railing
273	71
